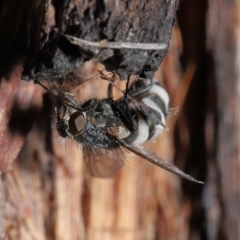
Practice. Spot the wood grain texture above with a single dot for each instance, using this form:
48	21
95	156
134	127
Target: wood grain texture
48	193
60	200
223	41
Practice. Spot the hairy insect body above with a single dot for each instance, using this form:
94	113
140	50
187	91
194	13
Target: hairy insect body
123	118
105	126
91	128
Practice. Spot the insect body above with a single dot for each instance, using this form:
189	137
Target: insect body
105	126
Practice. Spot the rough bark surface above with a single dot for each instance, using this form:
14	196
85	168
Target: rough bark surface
118	21
223	41
48	193
19	103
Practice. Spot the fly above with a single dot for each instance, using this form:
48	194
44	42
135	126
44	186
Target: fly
106	127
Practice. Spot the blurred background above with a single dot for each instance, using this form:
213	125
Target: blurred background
49	194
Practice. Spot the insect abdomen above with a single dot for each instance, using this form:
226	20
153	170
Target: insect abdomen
157	100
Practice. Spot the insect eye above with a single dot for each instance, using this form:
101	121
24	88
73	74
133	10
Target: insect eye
76	123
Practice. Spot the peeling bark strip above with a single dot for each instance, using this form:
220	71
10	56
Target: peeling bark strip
114	21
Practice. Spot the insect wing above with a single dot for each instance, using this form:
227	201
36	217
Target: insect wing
151	113
155	159
103	163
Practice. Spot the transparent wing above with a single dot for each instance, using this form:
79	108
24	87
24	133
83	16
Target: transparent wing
103	163
155	159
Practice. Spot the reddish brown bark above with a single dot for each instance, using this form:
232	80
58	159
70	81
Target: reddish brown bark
223	42
49	194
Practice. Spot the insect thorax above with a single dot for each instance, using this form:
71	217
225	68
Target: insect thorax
99	127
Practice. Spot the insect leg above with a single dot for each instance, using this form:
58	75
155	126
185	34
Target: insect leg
136	92
130	121
126	95
121	107
66	97
110	86
127	86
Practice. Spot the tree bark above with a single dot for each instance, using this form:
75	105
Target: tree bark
49	193
223	42
140	22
